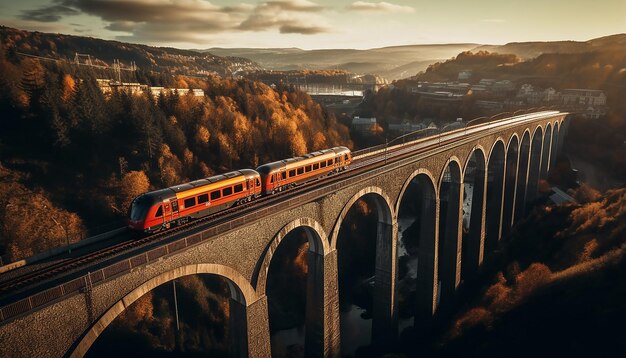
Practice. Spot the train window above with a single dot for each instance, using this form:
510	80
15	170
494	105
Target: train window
258	182
227	191
345	158
272	179
308	168
300	170
159	212
174	205
215	195
323	164
283	175
203	198
330	162
238	188
190	202
292	173
316	166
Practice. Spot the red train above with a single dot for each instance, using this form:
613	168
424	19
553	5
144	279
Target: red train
160	209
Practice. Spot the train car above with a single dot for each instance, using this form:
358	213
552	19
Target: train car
284	174
156	210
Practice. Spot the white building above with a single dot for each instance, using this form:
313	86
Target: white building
583	97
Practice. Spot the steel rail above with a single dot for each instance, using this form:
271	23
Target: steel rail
372	163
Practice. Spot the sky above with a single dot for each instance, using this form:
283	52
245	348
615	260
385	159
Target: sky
309	24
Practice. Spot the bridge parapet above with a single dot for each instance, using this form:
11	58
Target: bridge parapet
242	243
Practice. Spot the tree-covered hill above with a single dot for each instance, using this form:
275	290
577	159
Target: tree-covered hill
89	154
104	53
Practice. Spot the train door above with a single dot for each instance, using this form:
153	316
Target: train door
170	210
250	186
282	177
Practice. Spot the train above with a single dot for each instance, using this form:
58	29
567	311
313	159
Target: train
162	209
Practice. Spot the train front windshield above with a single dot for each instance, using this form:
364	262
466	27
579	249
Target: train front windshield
139	208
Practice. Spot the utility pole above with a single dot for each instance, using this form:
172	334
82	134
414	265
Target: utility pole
177	334
118	70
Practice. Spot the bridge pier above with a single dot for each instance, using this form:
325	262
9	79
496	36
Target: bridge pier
426	285
385	312
322	306
522	178
449	255
472	231
257	325
534	170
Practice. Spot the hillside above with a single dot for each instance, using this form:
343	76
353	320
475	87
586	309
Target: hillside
529	50
559	286
95	151
390	62
103	53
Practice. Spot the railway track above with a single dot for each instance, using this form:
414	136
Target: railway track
70	264
360	164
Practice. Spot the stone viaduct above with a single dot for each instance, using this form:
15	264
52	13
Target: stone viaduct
501	165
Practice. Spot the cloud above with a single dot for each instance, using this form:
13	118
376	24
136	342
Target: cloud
294	5
48	14
289	18
379	7
192	21
304	30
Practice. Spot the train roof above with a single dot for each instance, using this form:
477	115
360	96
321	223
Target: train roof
157	196
247	173
303	160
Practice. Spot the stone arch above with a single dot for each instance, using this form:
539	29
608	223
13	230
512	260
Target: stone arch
384	313
538	127
388	218
449	242
472	220
317	243
477	148
534	170
545	153
452	159
522	175
315	319
241	291
495	190
423	191
554	145
515	137
495	143
510	183
407	182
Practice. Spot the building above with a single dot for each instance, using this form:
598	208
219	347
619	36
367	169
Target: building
363	125
156	91
107	86
406	127
551	95
465	75
525	90
503	86
583	97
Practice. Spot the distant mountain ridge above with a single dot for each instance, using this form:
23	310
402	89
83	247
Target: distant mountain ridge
528	50
397	62
104	52
392	62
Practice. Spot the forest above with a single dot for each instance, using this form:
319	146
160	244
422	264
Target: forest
71	152
104	53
